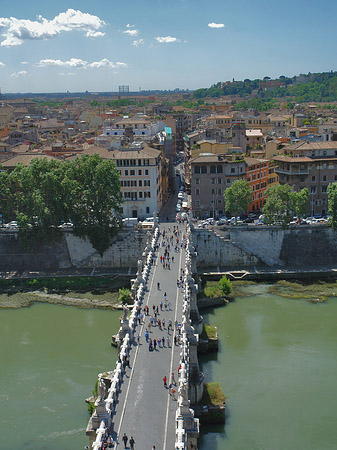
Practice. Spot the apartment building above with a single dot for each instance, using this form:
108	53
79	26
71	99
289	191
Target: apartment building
211	175
143	176
311	165
140	125
257	175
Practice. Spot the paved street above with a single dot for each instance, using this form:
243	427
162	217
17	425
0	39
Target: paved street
145	410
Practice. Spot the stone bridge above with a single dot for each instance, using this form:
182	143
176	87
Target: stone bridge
133	398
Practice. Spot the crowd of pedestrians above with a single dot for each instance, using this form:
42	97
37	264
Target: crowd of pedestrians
161	332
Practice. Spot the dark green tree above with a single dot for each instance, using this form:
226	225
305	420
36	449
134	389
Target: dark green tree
282	204
332	202
85	191
93	199
238	197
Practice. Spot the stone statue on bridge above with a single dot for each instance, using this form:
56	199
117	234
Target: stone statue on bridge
125	313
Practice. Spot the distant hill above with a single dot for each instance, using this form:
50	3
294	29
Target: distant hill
311	87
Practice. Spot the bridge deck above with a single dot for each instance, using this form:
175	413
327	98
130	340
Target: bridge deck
145	409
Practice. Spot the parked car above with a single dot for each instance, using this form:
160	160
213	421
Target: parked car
12	224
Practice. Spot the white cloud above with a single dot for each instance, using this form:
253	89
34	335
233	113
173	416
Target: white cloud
133	32
2	64
66	74
81	64
130	26
216	25
166	39
94	34
16	31
24	62
22	73
138	42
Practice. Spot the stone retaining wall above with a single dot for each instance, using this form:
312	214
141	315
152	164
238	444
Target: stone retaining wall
71	252
239	247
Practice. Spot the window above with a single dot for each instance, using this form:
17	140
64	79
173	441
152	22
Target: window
219	180
146	172
213	180
126	173
197	181
313	190
140	194
139	172
203	169
232	170
213	191
132	172
140	183
197	202
213	169
134	183
228	181
313	178
197	192
219	169
219	201
197	169
324	178
147	208
219	191
324	189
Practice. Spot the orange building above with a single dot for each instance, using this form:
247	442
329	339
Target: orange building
257	174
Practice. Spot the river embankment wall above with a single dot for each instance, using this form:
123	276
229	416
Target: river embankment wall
266	246
71	252
231	248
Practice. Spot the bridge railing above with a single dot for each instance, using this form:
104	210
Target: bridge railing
187	427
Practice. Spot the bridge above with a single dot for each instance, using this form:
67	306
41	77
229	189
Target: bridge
132	398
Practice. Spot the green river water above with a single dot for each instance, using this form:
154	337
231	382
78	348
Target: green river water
277	365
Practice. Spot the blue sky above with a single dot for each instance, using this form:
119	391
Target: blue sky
155	44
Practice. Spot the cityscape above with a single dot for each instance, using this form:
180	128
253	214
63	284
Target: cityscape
167	229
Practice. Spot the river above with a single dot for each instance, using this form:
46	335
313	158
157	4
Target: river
277	365
50	356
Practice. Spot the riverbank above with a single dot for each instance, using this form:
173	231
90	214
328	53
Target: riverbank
82	292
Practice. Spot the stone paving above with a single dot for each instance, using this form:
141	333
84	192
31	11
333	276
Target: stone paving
145	408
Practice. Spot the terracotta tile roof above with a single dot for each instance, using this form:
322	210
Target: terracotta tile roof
146	152
24	159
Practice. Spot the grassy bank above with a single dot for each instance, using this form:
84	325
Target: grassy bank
316	292
84	292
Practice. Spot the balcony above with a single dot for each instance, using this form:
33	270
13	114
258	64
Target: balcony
278	170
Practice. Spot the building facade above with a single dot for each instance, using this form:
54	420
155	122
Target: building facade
211	175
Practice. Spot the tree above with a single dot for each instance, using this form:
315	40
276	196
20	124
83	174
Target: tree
225	285
93	199
282	204
238	197
332	202
124	296
85	191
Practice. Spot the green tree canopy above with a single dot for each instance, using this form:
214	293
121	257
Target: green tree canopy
84	191
282	204
238	197
332	202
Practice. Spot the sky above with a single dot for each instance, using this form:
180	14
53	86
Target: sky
75	46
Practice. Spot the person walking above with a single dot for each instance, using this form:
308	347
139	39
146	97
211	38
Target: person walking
125	440
132	443
165	381
158	286
173	381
